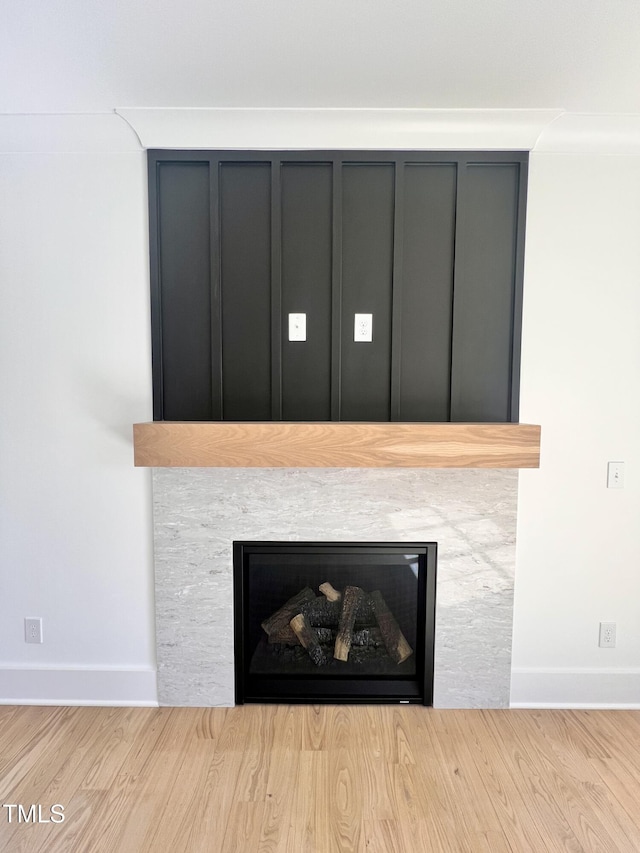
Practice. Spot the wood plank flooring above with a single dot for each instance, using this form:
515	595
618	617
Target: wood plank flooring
302	779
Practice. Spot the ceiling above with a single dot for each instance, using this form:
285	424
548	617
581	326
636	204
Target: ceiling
582	56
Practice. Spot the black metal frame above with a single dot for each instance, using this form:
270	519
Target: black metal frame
361	690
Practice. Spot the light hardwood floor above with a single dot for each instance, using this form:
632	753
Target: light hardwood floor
307	779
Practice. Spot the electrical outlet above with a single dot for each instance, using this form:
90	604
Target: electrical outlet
615	475
363	327
607	635
33	629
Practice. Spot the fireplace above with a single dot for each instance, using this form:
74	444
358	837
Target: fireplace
334	622
200	512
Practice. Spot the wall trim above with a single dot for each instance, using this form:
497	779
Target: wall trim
133	129
577	133
346	128
575	688
574	706
108	686
66	133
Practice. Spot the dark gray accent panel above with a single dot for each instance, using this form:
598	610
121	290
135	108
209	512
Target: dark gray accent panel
484	293
427	291
430	243
245	259
367	265
306	288
184	278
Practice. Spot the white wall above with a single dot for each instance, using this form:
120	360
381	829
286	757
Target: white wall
578	546
74	375
75	535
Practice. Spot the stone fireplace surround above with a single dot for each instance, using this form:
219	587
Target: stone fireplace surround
199	512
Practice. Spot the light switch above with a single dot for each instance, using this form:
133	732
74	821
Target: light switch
297	327
363	327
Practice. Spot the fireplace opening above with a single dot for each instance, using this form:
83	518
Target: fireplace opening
334	622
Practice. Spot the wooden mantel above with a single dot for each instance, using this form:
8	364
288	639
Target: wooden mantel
275	444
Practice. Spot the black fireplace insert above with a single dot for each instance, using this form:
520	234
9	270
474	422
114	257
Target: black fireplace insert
332	622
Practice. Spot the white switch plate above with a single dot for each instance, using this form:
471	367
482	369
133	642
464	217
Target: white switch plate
615	475
363	327
297	327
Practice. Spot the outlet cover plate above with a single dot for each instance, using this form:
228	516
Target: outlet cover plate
33	629
607	635
615	475
363	328
297	327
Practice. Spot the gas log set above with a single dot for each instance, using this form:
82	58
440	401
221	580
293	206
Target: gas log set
349	625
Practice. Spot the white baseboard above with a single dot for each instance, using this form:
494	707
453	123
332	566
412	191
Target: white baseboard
575	688
137	687
78	686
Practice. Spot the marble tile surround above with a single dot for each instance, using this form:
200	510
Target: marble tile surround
198	512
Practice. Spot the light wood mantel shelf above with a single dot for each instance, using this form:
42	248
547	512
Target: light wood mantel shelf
275	444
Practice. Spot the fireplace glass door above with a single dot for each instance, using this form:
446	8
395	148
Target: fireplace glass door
334	622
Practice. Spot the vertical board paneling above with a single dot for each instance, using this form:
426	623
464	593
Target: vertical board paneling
397	291
484	293
306	288
429	243
216	302
367	265
245	250
427	291
336	290
516	335
185	290
276	290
